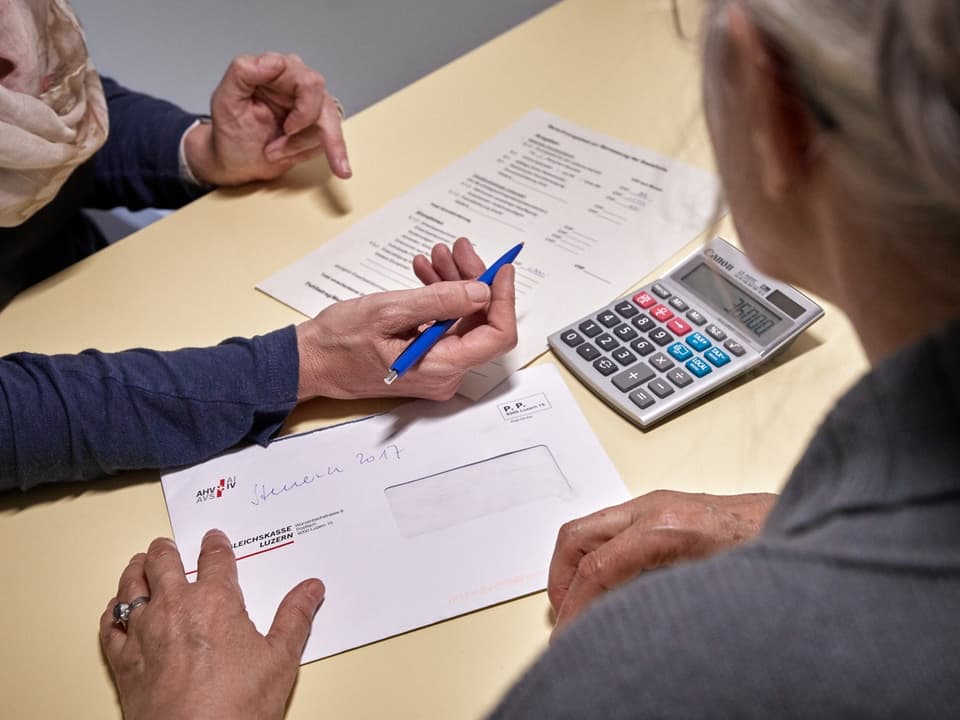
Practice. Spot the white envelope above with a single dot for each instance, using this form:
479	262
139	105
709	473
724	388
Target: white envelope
439	508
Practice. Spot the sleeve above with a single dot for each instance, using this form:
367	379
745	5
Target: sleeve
77	417
139	164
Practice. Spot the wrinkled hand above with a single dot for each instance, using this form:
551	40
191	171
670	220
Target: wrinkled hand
269	113
347	349
192	652
601	551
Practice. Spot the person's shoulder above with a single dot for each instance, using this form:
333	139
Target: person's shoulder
671	644
760	631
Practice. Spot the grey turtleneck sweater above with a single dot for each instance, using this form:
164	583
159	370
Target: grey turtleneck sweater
846	606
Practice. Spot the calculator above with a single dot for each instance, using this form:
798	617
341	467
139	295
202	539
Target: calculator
711	318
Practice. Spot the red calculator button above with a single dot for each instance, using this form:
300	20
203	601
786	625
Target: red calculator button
644	299
662	313
678	326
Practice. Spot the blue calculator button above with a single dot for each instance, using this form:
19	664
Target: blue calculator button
717	356
679	351
698	341
698	367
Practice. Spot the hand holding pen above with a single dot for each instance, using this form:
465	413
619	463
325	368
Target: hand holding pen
432	335
346	350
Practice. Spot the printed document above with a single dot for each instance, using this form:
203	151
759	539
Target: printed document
596	215
410	517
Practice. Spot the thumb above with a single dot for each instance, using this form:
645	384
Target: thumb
291	625
439	301
246	73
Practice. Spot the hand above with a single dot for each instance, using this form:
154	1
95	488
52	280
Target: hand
268	114
191	651
598	552
347	349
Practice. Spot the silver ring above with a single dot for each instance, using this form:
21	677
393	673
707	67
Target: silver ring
122	610
339	106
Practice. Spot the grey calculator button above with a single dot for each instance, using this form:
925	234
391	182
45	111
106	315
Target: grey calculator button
734	347
678	304
661	337
623	356
659	387
606	342
590	328
642	346
643	323
679	378
661	361
626	309
642	399
660	290
696	318
588	352
630	378
716	333
625	332
608	318
572	338
605	366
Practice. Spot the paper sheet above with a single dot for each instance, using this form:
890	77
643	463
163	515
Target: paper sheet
596	215
411	517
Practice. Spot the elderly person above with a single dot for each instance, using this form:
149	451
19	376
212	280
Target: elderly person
836	127
69	140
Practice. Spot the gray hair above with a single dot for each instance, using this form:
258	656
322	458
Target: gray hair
883	77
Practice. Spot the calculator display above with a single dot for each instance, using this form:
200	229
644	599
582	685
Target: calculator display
740	308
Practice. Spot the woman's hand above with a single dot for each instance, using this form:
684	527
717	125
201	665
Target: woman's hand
601	551
347	349
191	651
268	114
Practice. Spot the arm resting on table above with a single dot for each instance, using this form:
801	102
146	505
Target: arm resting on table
77	417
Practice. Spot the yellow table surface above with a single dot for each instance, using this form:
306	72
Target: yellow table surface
612	65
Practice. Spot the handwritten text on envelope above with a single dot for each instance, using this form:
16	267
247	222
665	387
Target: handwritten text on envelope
454	506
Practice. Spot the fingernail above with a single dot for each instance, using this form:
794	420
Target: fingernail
273	155
212	531
345	167
478	292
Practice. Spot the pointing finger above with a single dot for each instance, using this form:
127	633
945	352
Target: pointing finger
332	126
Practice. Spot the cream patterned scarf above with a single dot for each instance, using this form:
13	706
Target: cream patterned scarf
53	115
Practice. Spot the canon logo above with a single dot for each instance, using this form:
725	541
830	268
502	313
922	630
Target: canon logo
718	259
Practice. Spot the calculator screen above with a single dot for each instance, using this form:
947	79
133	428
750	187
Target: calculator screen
742	309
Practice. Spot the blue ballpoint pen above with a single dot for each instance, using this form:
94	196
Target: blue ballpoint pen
429	337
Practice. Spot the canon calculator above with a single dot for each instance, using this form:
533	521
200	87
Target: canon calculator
711	318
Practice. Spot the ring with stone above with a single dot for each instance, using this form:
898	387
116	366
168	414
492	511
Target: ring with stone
122	610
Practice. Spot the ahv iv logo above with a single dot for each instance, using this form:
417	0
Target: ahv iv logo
216	491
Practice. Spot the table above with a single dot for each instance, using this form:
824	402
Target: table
612	65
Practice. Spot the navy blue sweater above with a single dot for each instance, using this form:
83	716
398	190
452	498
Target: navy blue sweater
76	417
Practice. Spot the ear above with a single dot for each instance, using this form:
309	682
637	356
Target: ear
782	128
